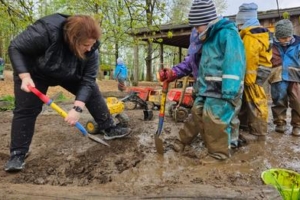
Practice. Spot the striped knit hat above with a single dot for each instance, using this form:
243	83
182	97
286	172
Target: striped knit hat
202	12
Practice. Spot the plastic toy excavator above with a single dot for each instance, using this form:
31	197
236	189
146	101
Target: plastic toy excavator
116	108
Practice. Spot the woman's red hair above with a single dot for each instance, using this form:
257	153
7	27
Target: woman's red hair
78	29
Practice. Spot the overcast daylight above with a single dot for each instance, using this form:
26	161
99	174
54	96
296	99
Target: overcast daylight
233	5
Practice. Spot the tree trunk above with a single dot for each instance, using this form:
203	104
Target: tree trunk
149	62
136	65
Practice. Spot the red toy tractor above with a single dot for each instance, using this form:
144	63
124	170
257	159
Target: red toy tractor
147	95
180	112
142	93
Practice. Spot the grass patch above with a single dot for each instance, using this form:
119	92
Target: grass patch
7	103
60	97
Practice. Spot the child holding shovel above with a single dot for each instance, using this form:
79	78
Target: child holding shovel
187	67
219	84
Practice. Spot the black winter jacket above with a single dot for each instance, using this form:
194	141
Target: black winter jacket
41	51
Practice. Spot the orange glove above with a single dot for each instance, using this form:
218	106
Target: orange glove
167	74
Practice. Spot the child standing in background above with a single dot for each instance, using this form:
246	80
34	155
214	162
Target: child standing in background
2	63
121	74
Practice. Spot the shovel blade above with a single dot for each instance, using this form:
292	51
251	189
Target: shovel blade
148	115
95	138
159	145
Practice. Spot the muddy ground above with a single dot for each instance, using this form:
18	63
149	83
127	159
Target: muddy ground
64	164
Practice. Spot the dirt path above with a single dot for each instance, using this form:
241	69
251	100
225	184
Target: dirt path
65	165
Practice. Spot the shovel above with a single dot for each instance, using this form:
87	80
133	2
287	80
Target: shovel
62	113
158	141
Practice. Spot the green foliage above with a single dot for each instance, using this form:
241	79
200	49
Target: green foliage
7	103
221	6
286	15
170	34
150	40
7	98
118	20
105	67
61	98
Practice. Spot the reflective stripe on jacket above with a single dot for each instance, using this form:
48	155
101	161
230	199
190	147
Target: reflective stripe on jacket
222	64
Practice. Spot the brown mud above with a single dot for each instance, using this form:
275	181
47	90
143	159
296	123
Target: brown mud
64	164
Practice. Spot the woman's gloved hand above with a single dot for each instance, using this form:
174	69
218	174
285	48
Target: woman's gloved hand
167	74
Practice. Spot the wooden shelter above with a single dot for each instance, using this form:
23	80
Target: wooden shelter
180	33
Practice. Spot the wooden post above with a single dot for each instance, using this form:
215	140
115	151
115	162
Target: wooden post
161	54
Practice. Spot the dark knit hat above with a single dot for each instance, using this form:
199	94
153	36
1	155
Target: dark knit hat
246	11
202	12
283	28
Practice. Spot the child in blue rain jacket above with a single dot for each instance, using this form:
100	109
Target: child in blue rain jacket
121	74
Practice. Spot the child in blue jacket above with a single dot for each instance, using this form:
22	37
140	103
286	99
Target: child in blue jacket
121	74
2	69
